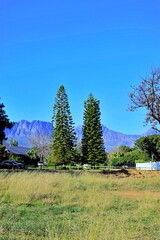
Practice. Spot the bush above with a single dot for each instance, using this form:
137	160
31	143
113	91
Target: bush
14	157
2	150
129	158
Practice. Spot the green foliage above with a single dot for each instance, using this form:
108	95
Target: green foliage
116	155
125	156
64	139
125	149
146	149
55	158
4	122
79	154
127	159
143	159
79	148
14	157
2	149
13	142
32	153
121	151
92	137
149	146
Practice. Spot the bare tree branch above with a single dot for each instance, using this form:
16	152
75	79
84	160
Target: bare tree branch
42	145
147	95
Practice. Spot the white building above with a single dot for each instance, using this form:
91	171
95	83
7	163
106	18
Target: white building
148	166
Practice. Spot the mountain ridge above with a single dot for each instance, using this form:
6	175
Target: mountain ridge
24	130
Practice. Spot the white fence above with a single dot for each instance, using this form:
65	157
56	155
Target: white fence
148	166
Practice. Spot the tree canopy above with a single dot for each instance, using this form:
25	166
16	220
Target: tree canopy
147	95
150	146
4	122
125	155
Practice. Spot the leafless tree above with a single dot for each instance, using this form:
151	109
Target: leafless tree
41	143
147	95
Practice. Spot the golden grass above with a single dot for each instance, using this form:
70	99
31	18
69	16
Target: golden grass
87	206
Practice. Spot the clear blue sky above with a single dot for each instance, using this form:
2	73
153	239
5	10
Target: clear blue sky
89	46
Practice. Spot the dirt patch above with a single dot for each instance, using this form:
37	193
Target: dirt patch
131	173
132	194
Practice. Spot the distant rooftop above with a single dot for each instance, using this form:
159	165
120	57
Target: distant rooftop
16	149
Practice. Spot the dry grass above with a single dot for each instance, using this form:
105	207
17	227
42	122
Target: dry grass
91	207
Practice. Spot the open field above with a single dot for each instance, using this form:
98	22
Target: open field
80	207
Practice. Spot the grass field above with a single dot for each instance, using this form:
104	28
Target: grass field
79	207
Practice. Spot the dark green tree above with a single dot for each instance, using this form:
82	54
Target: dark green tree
64	138
2	151
125	149
92	136
4	122
150	146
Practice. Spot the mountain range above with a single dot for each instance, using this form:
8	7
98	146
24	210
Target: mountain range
24	131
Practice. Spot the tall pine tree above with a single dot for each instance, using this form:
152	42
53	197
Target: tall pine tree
64	139
92	137
4	122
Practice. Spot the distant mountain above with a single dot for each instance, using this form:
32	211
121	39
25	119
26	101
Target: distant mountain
23	131
151	131
111	138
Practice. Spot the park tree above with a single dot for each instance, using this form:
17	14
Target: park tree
4	122
149	146
120	151
147	95
64	138
92	136
128	158
125	155
125	149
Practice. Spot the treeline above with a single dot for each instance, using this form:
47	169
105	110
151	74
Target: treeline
145	149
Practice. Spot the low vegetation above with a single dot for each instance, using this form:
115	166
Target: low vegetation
79	206
146	149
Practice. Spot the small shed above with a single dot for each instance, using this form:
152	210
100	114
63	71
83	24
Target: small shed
148	166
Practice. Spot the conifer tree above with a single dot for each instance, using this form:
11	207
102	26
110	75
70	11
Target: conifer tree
92	136
4	122
64	139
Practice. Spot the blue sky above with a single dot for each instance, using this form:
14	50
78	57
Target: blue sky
101	47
